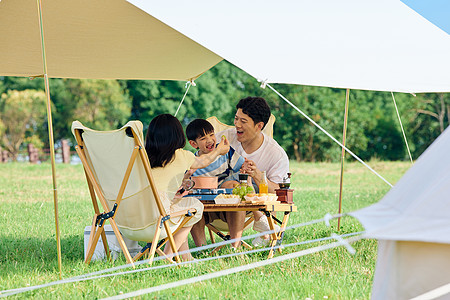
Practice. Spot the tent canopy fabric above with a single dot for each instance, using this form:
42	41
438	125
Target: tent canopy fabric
379	45
95	39
417	208
359	44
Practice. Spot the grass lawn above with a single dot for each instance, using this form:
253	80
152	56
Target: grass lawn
28	247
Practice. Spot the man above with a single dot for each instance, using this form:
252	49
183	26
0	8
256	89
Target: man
262	153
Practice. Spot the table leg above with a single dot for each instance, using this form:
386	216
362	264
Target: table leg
273	236
283	227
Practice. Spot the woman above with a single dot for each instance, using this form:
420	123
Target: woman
170	166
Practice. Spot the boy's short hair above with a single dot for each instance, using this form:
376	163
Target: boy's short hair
198	128
256	108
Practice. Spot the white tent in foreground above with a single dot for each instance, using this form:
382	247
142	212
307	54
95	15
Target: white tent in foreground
412	225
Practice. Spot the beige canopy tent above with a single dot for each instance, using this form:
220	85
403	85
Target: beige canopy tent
373	45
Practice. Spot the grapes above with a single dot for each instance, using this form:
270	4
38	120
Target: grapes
243	189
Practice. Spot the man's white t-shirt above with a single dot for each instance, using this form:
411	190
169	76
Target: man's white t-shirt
269	157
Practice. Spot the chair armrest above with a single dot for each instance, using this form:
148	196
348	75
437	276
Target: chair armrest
183	212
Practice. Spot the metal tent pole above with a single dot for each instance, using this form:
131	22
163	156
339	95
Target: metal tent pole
50	137
344	135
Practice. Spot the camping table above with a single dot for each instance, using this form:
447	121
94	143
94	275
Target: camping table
275	238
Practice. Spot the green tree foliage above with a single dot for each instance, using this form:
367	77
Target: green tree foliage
373	127
216	93
431	117
100	104
21	116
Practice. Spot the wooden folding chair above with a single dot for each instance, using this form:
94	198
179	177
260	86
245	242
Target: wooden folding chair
119	176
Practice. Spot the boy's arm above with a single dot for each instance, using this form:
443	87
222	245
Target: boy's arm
206	159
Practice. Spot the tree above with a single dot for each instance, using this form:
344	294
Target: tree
100	104
438	107
22	113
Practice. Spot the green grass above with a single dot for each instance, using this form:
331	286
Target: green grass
28	248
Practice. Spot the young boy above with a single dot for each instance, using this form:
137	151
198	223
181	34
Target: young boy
201	136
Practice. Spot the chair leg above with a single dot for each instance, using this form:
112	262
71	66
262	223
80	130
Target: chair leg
105	245
93	243
141	254
155	241
211	235
247	246
172	241
212	229
93	230
161	253
121	242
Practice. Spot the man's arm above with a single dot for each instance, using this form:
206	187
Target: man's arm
250	168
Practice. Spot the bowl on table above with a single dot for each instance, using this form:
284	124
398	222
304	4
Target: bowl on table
227	199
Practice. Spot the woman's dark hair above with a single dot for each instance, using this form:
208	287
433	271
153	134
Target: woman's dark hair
164	136
256	108
198	128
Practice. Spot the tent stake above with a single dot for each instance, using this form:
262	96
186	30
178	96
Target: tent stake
50	138
344	135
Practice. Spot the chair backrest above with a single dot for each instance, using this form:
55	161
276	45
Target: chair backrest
108	156
219	126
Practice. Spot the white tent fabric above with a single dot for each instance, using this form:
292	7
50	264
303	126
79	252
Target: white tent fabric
417	208
360	44
95	39
409	269
412	226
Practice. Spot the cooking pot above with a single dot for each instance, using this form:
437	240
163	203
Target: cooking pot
205	182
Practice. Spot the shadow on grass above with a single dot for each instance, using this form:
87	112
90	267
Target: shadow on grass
35	252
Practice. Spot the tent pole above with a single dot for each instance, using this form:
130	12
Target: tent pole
344	134
50	138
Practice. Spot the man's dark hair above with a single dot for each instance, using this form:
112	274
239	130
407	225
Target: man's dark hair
198	128
256	108
164	136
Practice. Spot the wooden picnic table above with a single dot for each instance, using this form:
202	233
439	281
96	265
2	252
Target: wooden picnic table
267	208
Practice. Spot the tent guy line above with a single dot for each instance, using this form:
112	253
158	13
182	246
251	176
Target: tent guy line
92	276
326	219
329	135
235	270
434	294
339	240
188	85
264	84
401	125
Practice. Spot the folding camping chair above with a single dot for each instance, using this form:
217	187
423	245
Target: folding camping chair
218	226
119	175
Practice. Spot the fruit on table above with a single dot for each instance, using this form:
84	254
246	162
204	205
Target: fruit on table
242	190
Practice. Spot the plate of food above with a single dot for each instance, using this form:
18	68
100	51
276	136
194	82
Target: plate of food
227	199
259	198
